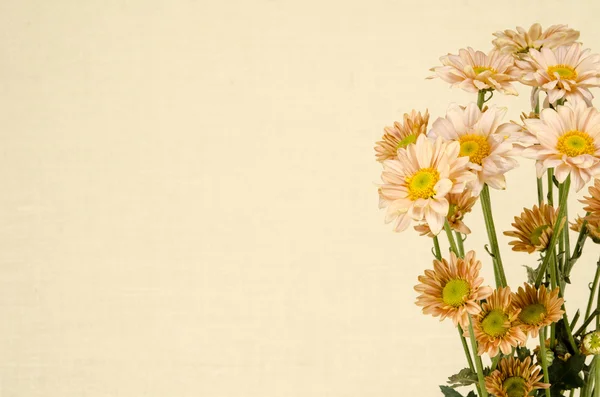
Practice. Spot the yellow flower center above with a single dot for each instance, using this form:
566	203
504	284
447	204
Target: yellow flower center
455	292
574	143
563	71
407	141
493	323
475	146
481	69
421	184
533	314
515	386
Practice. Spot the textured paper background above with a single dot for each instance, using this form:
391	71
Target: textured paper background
188	204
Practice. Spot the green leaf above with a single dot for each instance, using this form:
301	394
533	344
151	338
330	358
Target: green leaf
531	273
450	392
564	375
465	377
523	353
471	394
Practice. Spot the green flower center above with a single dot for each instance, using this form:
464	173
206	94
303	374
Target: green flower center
515	386
475	146
532	314
407	141
455	292
575	143
421	184
537	233
493	323
481	69
592	342
563	71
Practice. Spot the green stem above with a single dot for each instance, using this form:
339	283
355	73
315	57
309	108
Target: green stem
495	361
555	234
569	331
480	99
597	378
588	309
540	191
553	272
544	358
461	247
436	246
586	322
466	348
598	317
578	250
453	247
486	206
550	186
478	363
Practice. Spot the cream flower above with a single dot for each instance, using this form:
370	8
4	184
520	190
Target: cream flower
452	289
569	141
415	185
482	139
460	205
565	72
521	41
401	135
474	71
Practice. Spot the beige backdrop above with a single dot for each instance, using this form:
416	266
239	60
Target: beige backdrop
188	201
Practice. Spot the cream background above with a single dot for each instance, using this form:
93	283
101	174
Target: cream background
188	204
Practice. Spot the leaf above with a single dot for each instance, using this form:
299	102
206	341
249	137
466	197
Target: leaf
564	375
471	394
531	273
465	377
523	353
450	392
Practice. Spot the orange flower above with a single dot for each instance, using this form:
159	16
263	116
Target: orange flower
534	228
452	289
514	378
538	308
496	326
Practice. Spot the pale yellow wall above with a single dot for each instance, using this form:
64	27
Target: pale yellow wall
188	204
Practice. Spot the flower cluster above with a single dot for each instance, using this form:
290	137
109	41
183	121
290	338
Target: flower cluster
433	174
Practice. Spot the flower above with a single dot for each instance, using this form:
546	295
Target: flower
592	226
400	135
460	205
452	289
514	378
590	344
593	202
496	326
534	228
565	72
474	71
417	182
538	308
482	139
521	41
569	141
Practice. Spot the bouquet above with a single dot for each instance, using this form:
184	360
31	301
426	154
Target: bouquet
432	177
